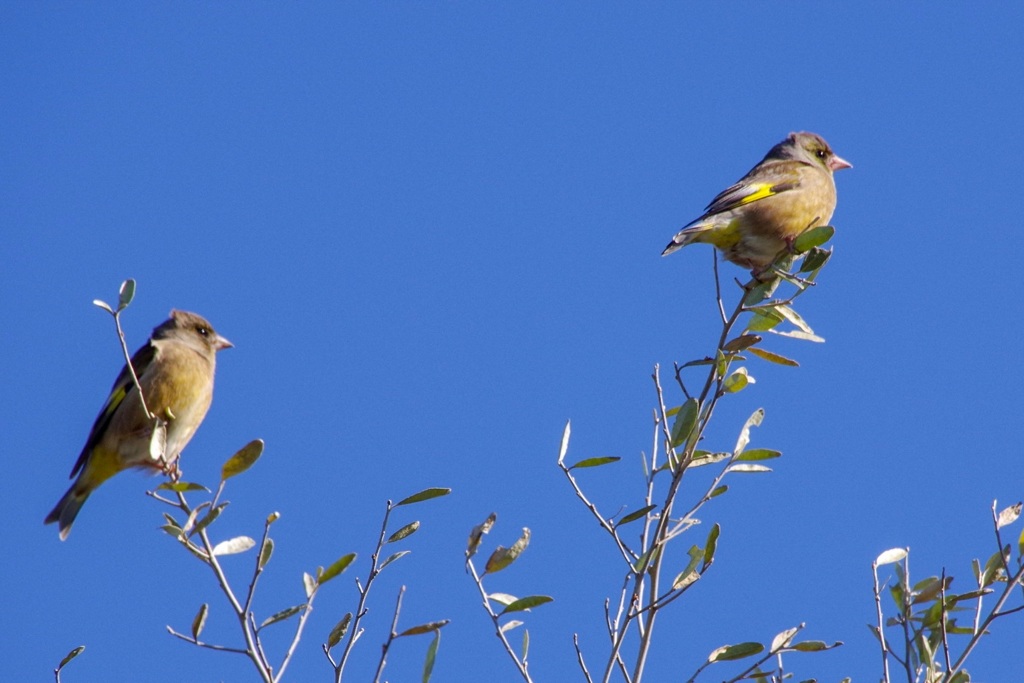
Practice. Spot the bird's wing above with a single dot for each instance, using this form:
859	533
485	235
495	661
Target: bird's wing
754	187
123	386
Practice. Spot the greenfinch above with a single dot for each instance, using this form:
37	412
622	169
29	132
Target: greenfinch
756	219
175	370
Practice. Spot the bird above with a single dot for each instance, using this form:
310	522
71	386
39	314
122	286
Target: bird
175	370
787	192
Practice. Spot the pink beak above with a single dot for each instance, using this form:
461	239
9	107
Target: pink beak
838	163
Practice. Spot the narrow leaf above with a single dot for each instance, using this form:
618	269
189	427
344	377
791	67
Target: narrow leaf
392	557
890	556
816	258
71	655
718	490
799	334
282	615
503	599
814	237
710	546
265	552
563	447
503	557
635	515
741	342
246	456
745	468
238	544
685	422
815	646
339	631
524	604
309	584
424	628
406	531
595	462
1009	515
200	621
476	534
106	307
509	625
783	639
182	486
425	494
428	663
758	454
753	421
728	653
773	357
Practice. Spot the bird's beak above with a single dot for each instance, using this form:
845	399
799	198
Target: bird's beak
221	343
838	163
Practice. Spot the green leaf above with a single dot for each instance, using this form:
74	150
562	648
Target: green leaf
814	237
406	531
182	486
524	604
742	342
717	491
420	629
238	544
794	318
339	631
503	557
265	552
200	621
702	458
773	357
764	318
125	294
814	646
425	494
685	422
758	454
71	655
635	515
815	259
246	456
208	519
428	663
710	546
595	462
728	653
392	558
282	615
737	381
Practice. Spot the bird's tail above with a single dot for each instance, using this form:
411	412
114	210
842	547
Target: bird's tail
67	508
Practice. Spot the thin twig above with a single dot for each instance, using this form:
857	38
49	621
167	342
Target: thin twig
392	634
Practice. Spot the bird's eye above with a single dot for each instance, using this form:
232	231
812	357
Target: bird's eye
821	153
203	331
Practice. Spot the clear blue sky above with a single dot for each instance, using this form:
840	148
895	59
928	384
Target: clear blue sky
433	233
